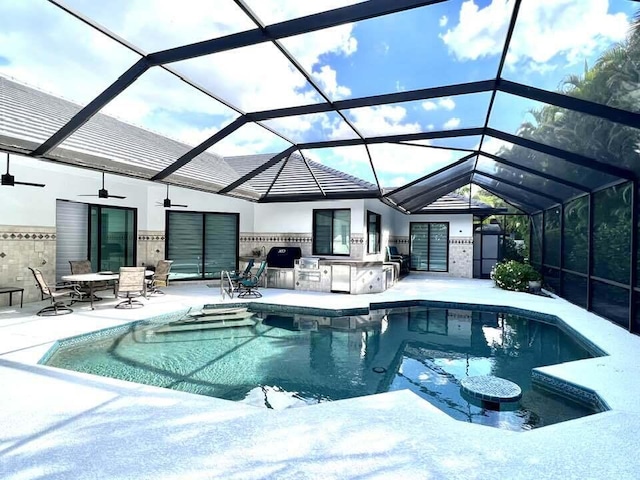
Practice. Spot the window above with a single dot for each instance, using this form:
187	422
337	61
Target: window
331	232
201	245
429	246
373	232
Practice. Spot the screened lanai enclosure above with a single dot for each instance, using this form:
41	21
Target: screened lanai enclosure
536	102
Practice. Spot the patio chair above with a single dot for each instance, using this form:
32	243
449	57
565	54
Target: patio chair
81	267
403	260
56	294
248	287
246	273
160	277
131	284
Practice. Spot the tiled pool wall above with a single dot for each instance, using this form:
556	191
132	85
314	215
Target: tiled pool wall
564	388
111	331
540	380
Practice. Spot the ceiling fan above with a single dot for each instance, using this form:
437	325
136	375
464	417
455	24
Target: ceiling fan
167	202
102	193
9	180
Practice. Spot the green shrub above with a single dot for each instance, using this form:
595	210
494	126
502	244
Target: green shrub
512	275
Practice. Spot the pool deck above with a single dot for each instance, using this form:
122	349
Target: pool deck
60	424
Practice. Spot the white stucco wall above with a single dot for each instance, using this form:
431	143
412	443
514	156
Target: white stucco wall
29	206
297	217
459	225
261	225
198	202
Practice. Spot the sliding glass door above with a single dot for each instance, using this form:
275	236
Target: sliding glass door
429	246
112	237
202	244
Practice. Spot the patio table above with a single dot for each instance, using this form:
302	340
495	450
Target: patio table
91	278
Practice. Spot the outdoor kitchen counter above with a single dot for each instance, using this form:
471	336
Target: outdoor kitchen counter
345	275
354	263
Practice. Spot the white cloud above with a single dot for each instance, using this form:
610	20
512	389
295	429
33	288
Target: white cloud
329	81
545	29
81	63
429	106
274	11
250	139
447	103
395	164
493	145
396	182
451	123
443	21
408	160
378	120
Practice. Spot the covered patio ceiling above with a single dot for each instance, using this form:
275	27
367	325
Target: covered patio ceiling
405	101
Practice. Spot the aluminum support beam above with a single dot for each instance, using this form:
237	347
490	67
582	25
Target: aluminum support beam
533	171
268	164
298	26
571	157
519	186
84	115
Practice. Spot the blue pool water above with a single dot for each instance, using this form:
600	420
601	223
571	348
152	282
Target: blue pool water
287	360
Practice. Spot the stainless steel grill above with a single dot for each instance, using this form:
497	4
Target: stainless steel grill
308	263
280	264
283	257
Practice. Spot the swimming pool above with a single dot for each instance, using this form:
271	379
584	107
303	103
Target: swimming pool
287	357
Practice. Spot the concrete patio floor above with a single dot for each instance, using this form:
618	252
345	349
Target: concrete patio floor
62	424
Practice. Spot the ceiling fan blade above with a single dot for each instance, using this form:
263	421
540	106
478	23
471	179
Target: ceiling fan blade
29	184
179	205
9	180
87	195
116	196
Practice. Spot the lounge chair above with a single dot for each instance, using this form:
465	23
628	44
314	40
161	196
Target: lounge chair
131	284
248	287
56	294
160	277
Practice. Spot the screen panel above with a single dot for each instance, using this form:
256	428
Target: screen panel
576	235
612	233
552	237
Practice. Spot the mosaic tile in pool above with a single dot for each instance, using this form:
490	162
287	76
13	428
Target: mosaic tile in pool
285	359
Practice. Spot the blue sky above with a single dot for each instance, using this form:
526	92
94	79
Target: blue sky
451	42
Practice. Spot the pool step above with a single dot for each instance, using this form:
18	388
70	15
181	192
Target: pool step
236	319
207	312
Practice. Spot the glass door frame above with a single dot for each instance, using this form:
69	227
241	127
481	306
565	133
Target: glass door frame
134	210
204	226
446	270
